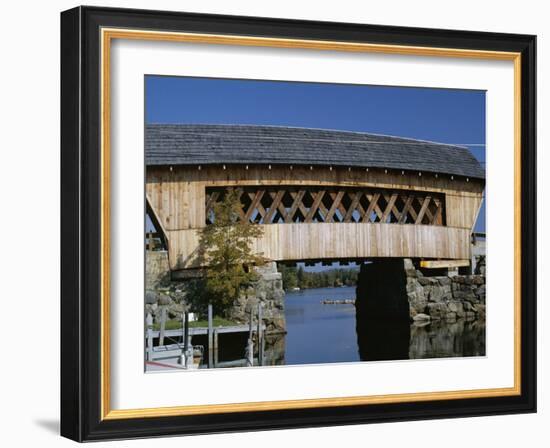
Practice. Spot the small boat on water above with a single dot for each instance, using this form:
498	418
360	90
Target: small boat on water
338	302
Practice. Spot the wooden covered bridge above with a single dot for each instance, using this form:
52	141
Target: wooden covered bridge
321	194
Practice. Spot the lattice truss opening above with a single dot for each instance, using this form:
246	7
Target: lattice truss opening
287	204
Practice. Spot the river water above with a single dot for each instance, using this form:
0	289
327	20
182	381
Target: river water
322	333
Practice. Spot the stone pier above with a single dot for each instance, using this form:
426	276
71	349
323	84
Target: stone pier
268	291
382	291
395	289
173	294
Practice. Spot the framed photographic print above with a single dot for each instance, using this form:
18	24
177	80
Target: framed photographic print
274	224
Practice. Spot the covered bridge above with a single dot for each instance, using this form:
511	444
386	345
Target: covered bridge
321	194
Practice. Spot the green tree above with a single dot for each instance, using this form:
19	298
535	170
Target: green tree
289	277
301	277
225	247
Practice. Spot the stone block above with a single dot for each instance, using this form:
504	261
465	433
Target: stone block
450	317
437	310
164	299
436	294
421	317
444	280
150	297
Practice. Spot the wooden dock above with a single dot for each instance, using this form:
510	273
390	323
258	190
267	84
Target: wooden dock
176	350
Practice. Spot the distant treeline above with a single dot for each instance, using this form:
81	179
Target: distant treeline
297	277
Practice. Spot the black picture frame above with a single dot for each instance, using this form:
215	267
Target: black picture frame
81	224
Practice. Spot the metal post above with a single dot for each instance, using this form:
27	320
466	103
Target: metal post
250	344
162	325
188	346
210	338
185	330
149	326
216	347
260	336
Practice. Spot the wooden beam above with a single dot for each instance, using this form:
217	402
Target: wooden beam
334	206
156	220
277	197
406	208
211	198
389	207
297	200
254	204
373	199
315	205
436	264
353	205
423	209
438	215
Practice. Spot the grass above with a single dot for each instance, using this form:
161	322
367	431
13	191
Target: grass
173	324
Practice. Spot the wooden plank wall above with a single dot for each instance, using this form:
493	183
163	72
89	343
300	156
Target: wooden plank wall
462	209
298	241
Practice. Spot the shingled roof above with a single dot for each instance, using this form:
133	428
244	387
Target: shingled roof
201	144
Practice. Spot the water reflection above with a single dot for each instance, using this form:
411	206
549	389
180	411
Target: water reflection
319	333
379	341
443	339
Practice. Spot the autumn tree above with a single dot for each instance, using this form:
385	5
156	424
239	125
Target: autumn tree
226	249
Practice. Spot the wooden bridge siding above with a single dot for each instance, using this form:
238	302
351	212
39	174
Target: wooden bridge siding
461	210
179	203
299	241
178	196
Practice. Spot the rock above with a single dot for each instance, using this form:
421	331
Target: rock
268	291
478	279
469	307
469	315
436	310
150	297
444	281
424	281
455	307
176	308
436	294
421	317
459	295
450	317
417	303
279	323
164	299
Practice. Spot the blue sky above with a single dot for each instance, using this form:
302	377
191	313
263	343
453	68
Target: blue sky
442	115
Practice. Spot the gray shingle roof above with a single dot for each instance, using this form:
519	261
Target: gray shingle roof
201	144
